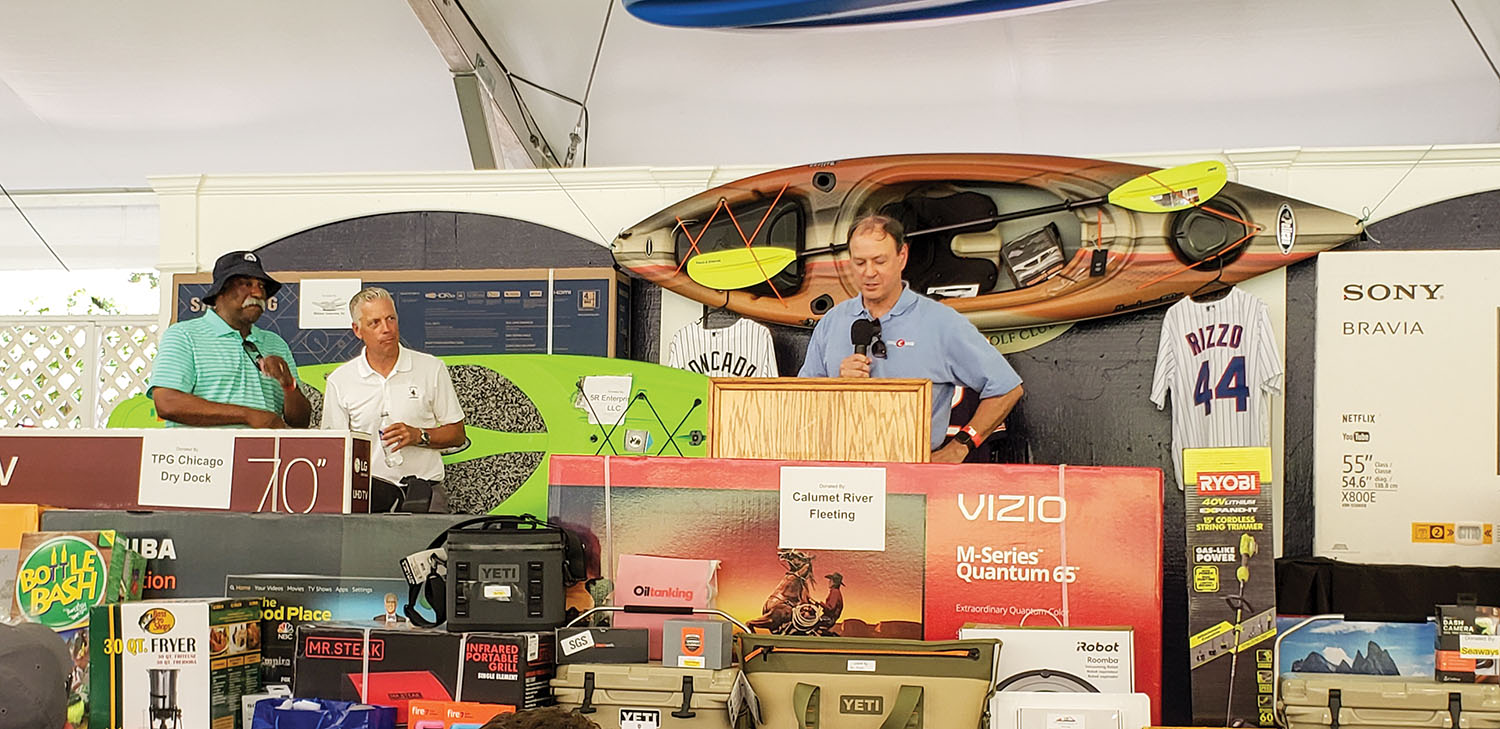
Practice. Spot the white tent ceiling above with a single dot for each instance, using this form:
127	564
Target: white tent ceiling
96	95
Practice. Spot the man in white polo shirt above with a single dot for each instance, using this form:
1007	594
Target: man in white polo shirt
403	395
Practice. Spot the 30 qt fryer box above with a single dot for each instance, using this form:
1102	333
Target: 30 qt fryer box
393	666
173	663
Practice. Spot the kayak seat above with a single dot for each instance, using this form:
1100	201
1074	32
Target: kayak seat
931	261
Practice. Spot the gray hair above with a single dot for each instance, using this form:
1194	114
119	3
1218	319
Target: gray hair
367	294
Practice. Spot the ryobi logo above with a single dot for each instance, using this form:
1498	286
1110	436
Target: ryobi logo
861	705
1247	482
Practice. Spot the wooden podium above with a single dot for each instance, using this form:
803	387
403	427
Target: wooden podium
820	419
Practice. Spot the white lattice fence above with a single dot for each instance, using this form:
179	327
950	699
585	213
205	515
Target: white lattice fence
69	372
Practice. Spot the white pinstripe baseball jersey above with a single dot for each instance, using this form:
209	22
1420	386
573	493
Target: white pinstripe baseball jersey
742	349
1219	360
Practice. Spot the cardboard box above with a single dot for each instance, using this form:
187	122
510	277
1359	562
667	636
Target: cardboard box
1061	660
393	666
173	663
291	600
697	644
17	519
1351	647
1468	644
1097	530
452	714
603	645
186	558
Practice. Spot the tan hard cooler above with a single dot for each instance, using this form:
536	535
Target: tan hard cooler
646	695
1333	701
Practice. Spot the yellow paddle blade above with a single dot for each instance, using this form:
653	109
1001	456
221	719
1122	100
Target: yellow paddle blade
1175	188
738	268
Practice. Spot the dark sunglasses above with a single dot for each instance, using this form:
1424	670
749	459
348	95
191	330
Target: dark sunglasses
252	351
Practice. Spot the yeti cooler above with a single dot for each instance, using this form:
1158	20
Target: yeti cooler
1314	700
646	695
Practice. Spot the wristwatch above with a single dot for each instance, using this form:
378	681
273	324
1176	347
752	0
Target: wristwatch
968	436
426	440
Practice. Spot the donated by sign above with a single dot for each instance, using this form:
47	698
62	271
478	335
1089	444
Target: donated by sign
832	508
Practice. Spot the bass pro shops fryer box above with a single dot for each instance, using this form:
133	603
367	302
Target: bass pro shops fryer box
394	666
173	663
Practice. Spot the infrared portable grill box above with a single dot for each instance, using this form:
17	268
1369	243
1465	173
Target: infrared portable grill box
394	665
1062	660
291	600
173	663
1314	701
508	573
618	696
1468	644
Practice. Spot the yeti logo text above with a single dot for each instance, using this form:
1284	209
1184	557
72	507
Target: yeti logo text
1392	292
1229	483
873	705
8	471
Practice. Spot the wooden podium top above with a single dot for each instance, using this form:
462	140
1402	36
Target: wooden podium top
820	418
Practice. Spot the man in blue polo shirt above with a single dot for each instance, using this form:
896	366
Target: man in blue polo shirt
915	337
220	369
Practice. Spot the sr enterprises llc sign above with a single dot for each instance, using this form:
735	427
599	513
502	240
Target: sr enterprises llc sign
1405	407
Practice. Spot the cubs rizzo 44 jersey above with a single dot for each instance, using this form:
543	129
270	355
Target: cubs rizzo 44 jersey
1219	361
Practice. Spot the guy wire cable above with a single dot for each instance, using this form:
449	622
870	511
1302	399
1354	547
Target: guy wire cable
36	232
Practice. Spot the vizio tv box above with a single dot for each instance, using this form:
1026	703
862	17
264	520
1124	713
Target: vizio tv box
1061	660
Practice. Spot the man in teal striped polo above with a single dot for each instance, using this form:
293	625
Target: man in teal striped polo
220	369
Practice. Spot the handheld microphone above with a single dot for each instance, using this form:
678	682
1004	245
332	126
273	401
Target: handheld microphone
861	333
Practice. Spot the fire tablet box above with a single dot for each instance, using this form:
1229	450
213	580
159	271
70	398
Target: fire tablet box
290	600
1062	660
1468	647
393	666
423	714
697	644
603	645
173	663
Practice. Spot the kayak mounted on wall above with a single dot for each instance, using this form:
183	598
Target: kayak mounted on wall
1007	240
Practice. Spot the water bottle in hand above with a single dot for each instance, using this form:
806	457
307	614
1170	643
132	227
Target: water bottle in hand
393	458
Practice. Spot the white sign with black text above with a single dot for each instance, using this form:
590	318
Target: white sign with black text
832	508
186	468
1405	407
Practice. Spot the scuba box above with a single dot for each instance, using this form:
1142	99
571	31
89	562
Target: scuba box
497	573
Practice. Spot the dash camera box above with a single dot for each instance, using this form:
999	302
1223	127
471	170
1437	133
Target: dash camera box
288	601
1061	660
173	662
1468	644
393	666
697	644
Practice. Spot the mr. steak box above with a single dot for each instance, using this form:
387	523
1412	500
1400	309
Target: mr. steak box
394	666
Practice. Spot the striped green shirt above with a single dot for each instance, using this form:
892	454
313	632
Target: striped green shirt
207	358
